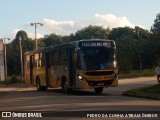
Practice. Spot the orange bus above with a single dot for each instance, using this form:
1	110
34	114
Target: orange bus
81	64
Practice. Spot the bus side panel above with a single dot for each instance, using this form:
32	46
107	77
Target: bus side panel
31	69
47	67
34	76
56	74
52	78
40	72
72	68
28	69
39	69
27	75
59	67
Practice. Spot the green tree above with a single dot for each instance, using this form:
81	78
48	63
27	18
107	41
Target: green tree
119	32
27	43
131	47
52	39
155	41
92	32
69	38
13	59
13	51
127	53
155	28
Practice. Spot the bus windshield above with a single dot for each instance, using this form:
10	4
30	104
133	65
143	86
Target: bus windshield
96	58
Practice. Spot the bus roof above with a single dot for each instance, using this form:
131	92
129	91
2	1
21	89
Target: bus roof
67	44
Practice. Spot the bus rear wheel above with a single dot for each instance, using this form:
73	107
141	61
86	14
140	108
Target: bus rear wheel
98	90
158	78
65	86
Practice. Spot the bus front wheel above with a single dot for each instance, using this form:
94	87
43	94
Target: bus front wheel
98	90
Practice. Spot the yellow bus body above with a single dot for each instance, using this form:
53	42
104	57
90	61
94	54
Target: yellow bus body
41	68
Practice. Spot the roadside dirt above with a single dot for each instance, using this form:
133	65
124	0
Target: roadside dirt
10	89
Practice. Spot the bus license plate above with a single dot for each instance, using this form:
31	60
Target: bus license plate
100	84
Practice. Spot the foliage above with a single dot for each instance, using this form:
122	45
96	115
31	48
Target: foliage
136	73
52	39
92	32
137	48
13	52
69	38
11	80
131	47
155	28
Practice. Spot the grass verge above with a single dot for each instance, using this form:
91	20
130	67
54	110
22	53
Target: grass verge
137	73
11	80
152	92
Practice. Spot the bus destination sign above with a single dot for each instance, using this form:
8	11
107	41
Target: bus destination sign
95	44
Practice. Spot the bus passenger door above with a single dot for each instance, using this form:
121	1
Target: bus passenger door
72	68
31	69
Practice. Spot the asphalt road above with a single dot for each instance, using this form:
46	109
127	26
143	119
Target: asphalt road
25	98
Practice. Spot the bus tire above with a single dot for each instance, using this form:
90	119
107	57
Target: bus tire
65	86
158	78
98	90
38	85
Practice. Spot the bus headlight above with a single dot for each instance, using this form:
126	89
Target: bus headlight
114	64
82	78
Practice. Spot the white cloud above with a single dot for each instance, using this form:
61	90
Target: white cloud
112	21
32	35
67	27
59	27
14	32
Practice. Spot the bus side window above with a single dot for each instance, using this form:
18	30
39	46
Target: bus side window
75	54
27	61
63	57
79	61
38	60
52	58
55	58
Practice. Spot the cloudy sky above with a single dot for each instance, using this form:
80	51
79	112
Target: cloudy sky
64	17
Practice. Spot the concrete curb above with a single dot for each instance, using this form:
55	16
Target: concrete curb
141	96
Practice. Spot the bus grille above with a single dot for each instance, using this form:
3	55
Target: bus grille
99	73
100	83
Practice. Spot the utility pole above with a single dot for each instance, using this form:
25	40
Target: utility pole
140	59
5	56
35	25
20	42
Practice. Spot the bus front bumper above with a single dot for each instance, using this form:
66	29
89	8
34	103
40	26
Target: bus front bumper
100	83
